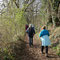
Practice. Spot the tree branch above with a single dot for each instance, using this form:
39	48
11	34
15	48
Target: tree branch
28	5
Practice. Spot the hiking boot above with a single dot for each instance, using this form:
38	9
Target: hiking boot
46	55
42	52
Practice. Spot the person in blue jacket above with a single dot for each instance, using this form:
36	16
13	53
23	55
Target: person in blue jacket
44	36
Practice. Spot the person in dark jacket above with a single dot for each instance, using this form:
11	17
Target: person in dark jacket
31	33
44	35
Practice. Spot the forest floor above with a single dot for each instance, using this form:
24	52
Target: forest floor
34	52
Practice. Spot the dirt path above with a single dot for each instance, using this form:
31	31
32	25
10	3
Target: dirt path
34	53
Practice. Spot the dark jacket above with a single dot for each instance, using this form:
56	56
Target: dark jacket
30	32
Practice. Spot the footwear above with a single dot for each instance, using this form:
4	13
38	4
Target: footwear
42	52
46	55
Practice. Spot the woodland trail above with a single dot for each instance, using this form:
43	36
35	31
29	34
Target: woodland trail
34	53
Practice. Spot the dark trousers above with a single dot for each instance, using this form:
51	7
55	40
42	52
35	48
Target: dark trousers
42	48
30	41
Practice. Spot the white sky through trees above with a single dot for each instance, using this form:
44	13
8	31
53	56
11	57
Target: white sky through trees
3	4
1	1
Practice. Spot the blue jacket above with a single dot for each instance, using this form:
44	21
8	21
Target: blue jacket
44	32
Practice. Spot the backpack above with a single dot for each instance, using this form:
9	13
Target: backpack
26	27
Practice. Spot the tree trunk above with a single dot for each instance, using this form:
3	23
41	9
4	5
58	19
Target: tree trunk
55	18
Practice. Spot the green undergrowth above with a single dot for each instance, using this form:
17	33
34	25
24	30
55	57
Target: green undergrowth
57	49
8	52
55	39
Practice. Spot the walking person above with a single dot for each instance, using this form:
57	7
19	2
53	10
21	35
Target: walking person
44	36
31	33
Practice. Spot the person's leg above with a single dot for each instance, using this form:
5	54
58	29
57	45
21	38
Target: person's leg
42	48
46	50
32	41
29	41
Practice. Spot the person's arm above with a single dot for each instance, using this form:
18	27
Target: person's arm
33	32
48	33
40	35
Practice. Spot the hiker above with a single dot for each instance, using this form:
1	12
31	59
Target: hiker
31	33
44	36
